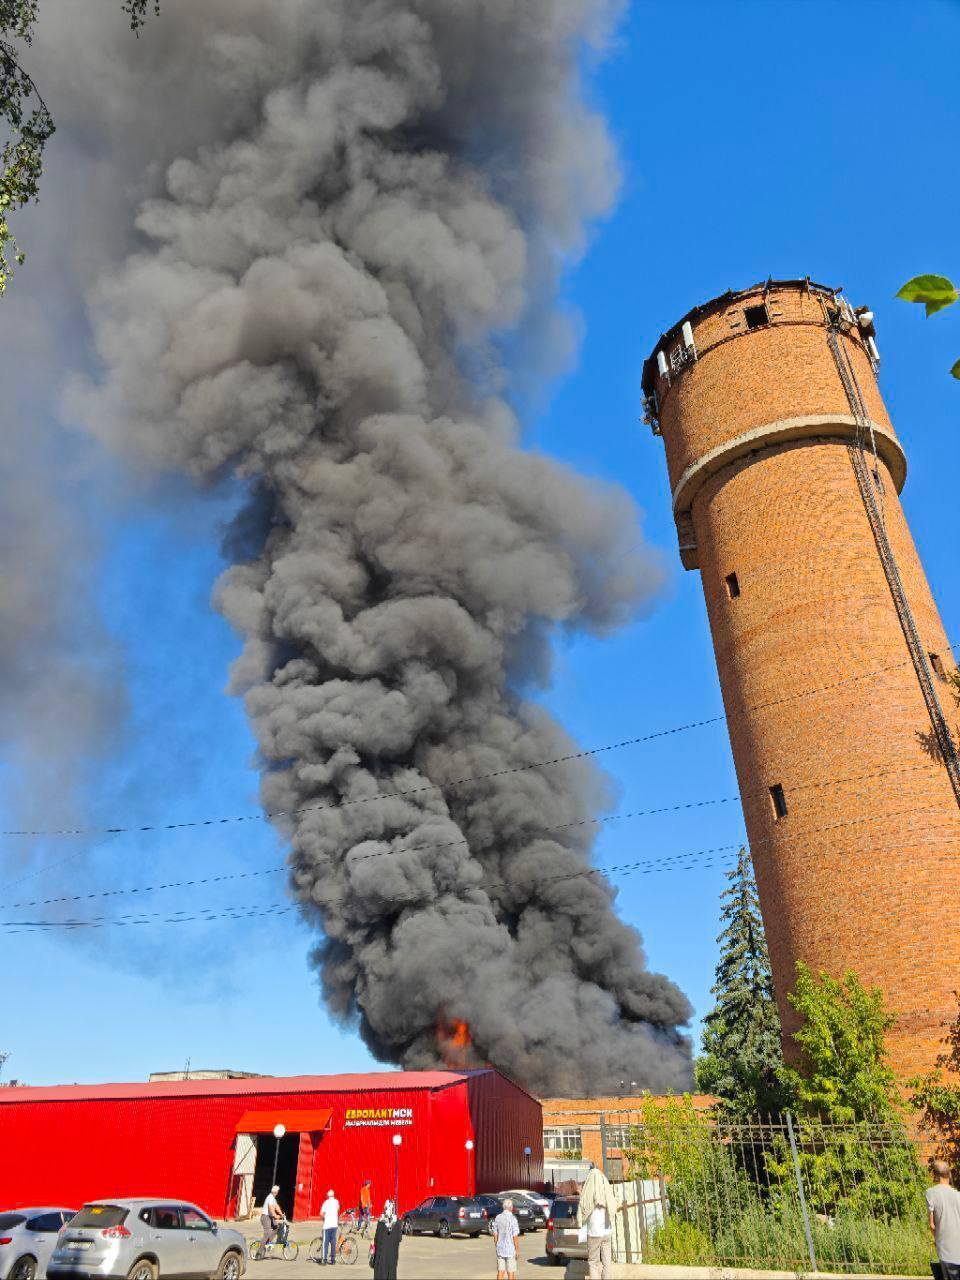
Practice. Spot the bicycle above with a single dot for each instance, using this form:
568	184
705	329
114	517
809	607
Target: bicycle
289	1250
355	1224
346	1250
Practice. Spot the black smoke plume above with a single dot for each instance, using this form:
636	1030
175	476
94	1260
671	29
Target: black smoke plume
376	194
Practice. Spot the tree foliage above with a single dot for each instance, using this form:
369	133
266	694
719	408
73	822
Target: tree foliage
843	1074
935	293
742	1058
938	1099
29	124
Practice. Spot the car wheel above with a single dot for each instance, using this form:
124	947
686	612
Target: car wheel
143	1270
443	1228
407	1227
24	1269
231	1267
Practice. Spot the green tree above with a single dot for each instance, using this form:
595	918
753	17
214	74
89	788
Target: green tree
29	124
742	1059
934	293
843	1074
856	1156
938	1099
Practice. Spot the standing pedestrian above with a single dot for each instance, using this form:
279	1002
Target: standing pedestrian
943	1203
366	1204
271	1215
385	1250
597	1210
506	1235
330	1213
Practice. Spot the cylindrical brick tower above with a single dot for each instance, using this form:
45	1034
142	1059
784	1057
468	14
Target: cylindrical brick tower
785	473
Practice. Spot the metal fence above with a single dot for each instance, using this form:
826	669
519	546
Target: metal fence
780	1193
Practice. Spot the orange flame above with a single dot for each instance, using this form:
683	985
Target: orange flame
454	1042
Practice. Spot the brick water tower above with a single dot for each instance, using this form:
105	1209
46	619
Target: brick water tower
785	473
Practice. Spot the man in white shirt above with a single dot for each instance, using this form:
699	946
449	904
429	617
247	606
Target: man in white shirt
943	1204
330	1213
506	1234
271	1215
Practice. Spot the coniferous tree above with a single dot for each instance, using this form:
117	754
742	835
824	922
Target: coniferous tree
742	1057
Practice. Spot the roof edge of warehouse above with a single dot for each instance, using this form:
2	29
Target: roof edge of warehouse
439	1078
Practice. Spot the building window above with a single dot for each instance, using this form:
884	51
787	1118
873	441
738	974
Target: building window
779	801
757	316
623	1136
566	1143
733	586
937	663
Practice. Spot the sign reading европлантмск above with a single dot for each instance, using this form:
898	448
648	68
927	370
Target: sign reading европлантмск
371	1117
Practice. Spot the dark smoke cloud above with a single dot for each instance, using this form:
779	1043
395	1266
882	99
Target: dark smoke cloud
367	197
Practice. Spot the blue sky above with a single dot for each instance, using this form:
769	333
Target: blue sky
757	138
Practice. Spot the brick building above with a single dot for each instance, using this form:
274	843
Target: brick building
785	474
578	1132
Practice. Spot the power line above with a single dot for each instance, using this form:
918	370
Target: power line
681	861
541	830
265	815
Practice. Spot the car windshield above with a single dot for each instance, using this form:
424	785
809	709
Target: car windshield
99	1215
10	1220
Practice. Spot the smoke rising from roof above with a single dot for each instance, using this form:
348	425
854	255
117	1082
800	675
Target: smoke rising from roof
371	196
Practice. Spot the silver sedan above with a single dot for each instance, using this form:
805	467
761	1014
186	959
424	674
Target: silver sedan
144	1239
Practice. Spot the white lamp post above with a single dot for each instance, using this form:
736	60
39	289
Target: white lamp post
469	1147
397	1140
278	1131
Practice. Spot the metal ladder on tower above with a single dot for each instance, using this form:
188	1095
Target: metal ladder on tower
869	484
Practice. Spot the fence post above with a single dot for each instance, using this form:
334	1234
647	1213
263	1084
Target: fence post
803	1199
603	1145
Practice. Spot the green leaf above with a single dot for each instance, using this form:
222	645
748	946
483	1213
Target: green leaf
935	292
956	370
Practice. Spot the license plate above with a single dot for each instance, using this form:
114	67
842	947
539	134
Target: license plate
79	1244
473	1215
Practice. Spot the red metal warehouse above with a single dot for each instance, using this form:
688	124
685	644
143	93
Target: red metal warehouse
212	1141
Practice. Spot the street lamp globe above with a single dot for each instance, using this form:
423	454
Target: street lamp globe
469	1144
397	1139
279	1130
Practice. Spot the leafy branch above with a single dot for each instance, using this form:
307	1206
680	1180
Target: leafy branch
29	122
935	292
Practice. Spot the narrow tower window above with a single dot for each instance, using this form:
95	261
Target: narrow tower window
937	663
757	316
779	801
733	586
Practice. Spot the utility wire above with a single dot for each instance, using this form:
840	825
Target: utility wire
265	815
682	861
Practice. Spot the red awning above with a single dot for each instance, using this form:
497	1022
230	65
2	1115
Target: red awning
292	1121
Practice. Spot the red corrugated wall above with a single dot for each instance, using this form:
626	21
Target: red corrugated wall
69	1151
505	1120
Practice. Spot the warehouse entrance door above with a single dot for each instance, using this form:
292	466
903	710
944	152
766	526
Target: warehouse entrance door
261	1159
286	1165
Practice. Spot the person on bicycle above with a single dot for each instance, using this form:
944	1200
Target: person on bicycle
271	1215
366	1204
330	1213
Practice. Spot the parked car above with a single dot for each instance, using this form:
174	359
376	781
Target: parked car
144	1239
522	1210
442	1215
541	1204
27	1239
563	1241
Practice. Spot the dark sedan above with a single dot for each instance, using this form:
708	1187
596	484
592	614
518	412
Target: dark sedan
523	1211
443	1215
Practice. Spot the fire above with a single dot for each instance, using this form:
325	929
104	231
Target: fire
454	1042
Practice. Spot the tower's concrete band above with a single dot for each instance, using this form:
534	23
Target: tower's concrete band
786	472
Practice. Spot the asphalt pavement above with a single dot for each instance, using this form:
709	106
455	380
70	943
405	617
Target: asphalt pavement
421	1258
